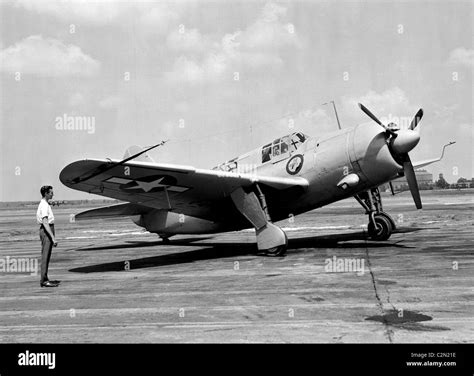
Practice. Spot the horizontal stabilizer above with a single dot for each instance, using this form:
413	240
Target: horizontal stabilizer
120	210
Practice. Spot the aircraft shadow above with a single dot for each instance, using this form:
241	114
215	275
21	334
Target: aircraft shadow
142	244
220	250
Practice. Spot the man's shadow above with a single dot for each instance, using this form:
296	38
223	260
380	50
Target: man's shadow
211	250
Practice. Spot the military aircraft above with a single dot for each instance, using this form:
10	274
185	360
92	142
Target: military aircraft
288	176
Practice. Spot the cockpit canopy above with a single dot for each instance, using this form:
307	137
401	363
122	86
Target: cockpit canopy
282	146
279	149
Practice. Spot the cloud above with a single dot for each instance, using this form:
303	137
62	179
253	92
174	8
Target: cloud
256	47
192	40
47	57
151	17
158	18
76	100
447	111
96	12
111	102
462	56
392	103
187	70
309	121
268	32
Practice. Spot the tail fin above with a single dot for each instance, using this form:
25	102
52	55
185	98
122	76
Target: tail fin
137	149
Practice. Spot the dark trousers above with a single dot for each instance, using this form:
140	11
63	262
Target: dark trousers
46	248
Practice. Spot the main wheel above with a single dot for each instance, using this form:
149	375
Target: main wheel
392	222
278	250
382	229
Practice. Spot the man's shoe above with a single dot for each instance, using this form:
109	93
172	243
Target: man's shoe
55	281
48	284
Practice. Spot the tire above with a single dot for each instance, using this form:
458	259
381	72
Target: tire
392	222
382	230
276	251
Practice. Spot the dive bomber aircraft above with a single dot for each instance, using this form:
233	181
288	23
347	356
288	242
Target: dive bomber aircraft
291	175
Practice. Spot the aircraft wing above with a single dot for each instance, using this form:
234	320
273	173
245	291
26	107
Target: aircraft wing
183	189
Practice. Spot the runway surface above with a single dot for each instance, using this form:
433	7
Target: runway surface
120	284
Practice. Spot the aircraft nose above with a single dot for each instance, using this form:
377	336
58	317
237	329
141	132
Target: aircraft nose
405	141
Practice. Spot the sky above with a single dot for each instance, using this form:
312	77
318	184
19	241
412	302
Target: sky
221	78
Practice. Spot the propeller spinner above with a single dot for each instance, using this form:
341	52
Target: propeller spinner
401	142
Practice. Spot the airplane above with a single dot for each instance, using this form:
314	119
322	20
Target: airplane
291	175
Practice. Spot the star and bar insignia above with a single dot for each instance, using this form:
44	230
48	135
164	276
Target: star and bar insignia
147	184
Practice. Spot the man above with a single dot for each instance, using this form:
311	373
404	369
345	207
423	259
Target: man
45	219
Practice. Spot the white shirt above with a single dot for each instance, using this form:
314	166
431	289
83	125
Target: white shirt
44	210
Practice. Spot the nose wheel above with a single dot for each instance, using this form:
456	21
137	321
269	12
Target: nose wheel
381	225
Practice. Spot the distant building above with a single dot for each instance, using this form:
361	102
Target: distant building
463	184
423	177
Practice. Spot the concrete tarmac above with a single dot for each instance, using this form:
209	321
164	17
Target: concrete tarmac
123	285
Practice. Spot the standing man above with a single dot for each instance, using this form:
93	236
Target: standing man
45	219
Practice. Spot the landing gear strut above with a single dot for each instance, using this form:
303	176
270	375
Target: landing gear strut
381	225
271	239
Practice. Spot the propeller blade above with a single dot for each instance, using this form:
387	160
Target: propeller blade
416	119
370	114
374	118
411	180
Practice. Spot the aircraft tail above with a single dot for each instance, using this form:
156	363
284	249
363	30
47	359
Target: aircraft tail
137	149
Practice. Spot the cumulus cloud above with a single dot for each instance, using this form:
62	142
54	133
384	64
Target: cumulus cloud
269	32
158	18
390	103
191	40
462	56
258	46
47	57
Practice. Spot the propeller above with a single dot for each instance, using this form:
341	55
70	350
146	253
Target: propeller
401	142
411	179
374	118
416	119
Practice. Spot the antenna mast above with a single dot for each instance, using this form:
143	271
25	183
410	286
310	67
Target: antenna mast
335	111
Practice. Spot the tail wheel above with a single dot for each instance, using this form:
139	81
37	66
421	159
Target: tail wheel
382	228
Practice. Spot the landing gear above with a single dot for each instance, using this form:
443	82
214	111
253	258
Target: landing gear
380	228
270	235
381	225
271	239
